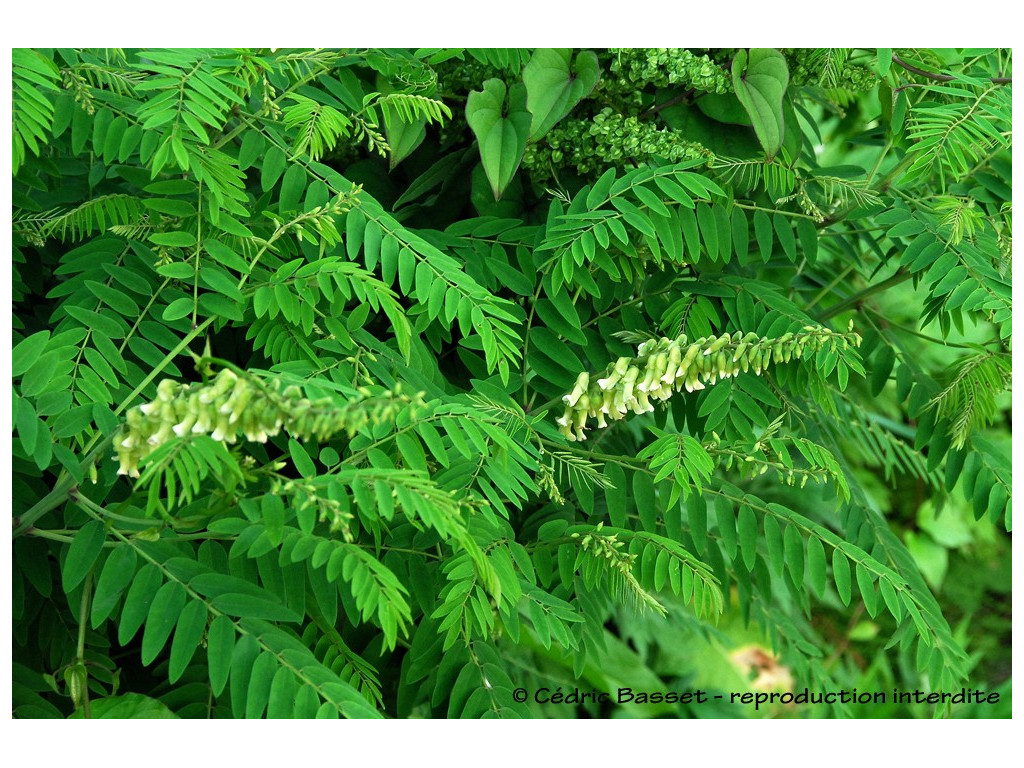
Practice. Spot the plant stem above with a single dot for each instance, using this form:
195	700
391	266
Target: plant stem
901	276
526	340
828	288
934	339
943	78
878	163
61	493
199	246
83	618
794	214
671	102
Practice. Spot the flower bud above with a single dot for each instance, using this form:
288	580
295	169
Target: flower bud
582	382
628	382
166	390
675	357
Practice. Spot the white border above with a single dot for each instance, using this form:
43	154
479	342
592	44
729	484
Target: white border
489	23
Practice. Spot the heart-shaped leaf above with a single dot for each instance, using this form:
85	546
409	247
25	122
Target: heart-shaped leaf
552	90
500	132
760	79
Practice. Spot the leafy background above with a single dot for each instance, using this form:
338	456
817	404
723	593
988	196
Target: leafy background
432	245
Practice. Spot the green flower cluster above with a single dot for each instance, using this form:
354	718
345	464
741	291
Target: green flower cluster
325	503
607	547
609	139
665	366
636	68
459	77
230	405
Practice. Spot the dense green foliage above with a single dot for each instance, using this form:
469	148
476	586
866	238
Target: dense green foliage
386	382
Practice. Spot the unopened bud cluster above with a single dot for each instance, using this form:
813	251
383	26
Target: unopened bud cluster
326	501
608	547
608	139
665	366
231	405
636	68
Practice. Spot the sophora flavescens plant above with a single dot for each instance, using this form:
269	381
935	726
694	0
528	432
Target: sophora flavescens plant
395	382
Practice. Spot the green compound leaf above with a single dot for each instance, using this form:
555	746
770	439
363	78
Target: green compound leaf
301	459
552	90
747	529
283	690
500	131
129	706
237	604
816	565
187	635
220	644
760	79
841	574
138	601
117	573
162	618
82	553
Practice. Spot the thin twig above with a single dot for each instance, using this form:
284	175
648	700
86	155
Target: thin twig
901	276
671	102
943	78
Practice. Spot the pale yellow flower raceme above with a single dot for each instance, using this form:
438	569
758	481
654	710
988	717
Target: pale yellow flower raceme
255	408
665	366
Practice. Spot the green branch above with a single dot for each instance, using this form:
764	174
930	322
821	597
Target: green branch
943	78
